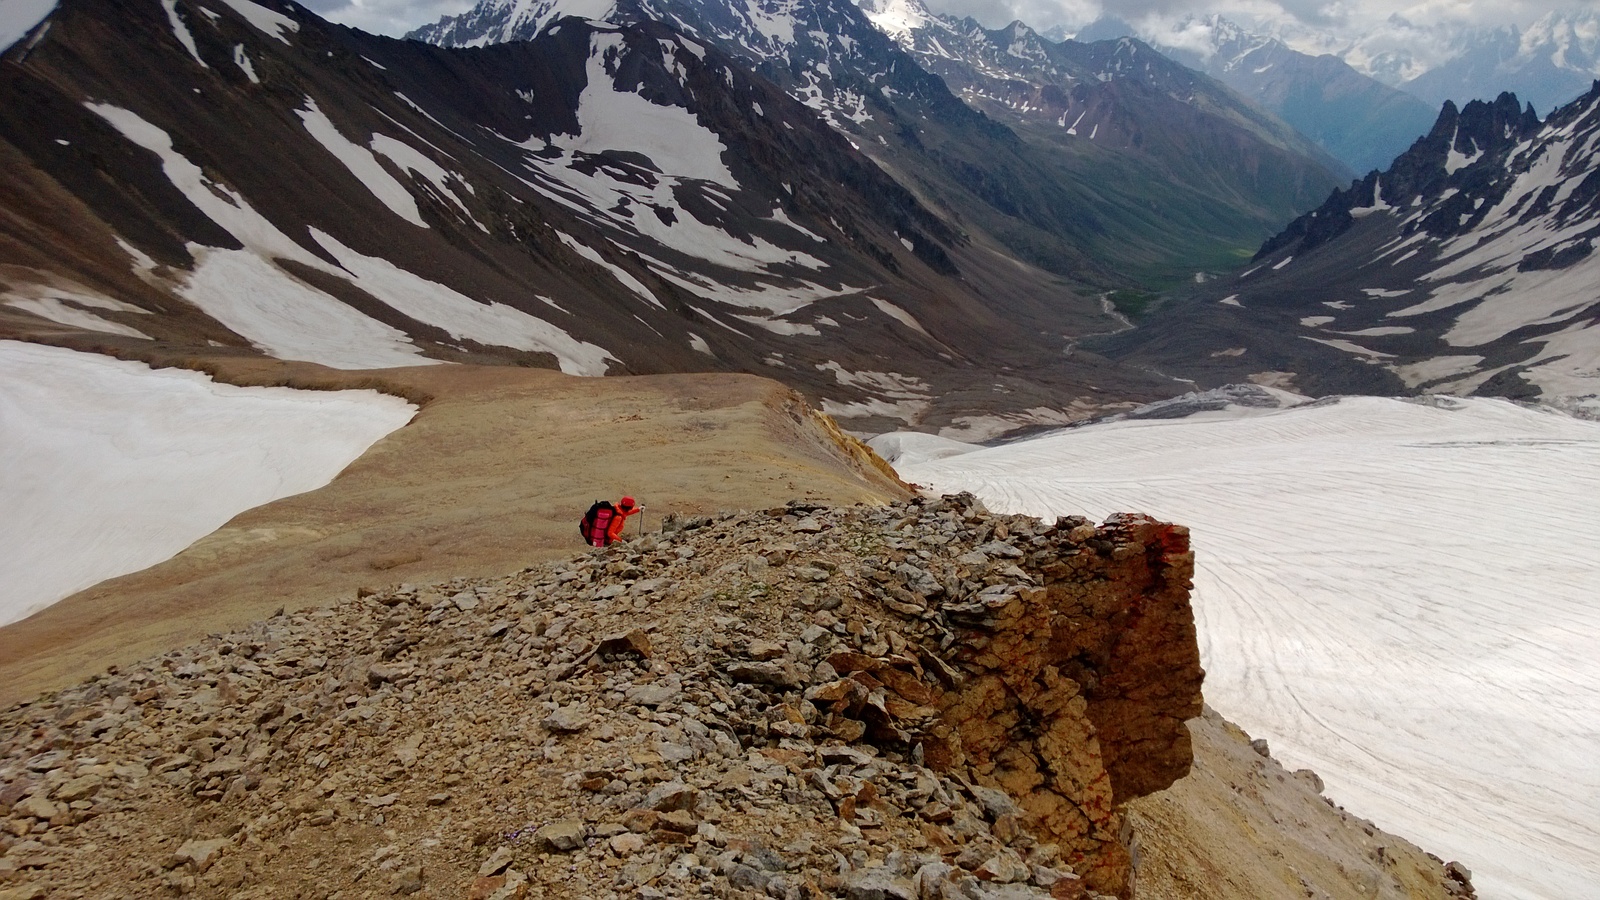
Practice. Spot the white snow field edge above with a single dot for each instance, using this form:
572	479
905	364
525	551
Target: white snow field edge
108	467
1404	597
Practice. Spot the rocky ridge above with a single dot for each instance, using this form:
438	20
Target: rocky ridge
919	700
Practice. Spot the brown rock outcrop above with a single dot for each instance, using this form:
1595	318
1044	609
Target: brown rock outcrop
1074	681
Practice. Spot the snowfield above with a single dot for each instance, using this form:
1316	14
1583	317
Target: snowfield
108	467
1403	596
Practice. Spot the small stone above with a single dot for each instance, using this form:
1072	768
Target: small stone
639	821
496	863
406	881
200	854
669	796
559	837
627	844
995	802
1004	867
37	807
679	820
764	650
466	601
1259	745
438	799
632	643
567	720
79	788
878	883
778	674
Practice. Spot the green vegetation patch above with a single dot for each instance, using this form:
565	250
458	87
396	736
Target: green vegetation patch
1133	304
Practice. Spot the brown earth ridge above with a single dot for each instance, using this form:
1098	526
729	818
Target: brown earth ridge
491	476
918	700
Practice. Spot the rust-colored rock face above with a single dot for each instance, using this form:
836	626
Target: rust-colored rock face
1075	692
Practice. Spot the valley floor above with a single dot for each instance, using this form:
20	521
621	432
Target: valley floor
1398	594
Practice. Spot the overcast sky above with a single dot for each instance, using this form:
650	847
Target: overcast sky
1338	19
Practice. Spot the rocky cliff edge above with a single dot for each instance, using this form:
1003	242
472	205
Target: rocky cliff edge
917	700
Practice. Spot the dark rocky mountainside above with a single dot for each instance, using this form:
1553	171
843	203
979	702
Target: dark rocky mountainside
914	701
606	200
1176	165
1466	267
1163	195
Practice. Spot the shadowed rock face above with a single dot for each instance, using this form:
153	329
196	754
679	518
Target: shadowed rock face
1076	691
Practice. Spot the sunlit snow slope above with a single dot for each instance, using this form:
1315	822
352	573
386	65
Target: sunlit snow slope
1404	597
108	467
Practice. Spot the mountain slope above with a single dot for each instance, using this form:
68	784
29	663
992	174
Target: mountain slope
1467	267
1148	140
1150	204
606	200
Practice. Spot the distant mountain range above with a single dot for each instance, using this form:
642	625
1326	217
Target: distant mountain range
1360	121
1082	160
1467	266
1548	63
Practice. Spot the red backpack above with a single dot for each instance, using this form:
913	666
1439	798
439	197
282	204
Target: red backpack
596	523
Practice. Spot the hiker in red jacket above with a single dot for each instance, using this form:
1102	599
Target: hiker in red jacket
625	508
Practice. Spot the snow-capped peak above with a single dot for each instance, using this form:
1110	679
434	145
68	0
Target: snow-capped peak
897	18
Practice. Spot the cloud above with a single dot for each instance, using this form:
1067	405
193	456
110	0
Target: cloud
391	17
1336	20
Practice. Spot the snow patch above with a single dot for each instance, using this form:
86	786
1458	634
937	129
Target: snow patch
71	307
492	323
449	184
109	467
289	319
1436	369
242	60
1349	347
620	274
361	163
899	315
272	24
671	136
181	31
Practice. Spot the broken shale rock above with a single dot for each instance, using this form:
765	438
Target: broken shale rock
891	704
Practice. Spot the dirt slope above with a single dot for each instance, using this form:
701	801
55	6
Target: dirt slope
490	477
